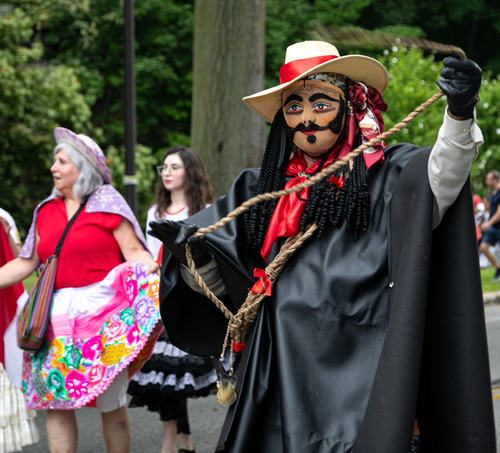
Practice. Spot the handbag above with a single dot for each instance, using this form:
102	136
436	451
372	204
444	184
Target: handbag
35	315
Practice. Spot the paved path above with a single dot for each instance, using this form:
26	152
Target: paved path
206	417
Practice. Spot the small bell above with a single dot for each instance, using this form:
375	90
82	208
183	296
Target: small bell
225	390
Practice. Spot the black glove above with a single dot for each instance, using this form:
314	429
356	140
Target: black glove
460	80
174	236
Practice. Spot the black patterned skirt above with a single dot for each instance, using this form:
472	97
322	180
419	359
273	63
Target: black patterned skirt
171	373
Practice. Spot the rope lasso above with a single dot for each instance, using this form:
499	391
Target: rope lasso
239	323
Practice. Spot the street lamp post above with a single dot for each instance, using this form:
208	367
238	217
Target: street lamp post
130	178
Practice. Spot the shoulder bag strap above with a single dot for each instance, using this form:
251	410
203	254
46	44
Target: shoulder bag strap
68	226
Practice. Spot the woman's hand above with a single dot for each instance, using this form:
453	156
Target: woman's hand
132	249
5	225
152	268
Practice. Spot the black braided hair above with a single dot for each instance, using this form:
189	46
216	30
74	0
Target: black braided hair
330	206
271	178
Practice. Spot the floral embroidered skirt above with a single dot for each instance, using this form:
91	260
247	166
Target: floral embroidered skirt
94	333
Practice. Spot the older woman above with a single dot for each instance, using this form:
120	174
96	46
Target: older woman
105	311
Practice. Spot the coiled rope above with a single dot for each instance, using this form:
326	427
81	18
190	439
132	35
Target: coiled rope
239	323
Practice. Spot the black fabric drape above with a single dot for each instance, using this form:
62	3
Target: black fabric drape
371	350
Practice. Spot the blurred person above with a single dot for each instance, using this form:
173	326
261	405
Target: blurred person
17	425
171	375
9	226
491	227
478	214
104	315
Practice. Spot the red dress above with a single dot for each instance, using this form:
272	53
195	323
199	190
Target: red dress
104	314
90	243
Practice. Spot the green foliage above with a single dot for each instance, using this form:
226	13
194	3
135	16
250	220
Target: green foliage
36	98
289	21
411	82
412	79
89	37
488	118
473	26
61	64
146	175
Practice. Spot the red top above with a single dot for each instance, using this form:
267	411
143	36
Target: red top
89	251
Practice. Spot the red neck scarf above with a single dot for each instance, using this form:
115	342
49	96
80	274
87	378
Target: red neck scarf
363	115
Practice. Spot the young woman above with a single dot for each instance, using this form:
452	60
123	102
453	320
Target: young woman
171	376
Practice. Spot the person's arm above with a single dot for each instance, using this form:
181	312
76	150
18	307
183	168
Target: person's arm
491	221
16	248
450	161
18	269
459	136
154	245
7	227
130	246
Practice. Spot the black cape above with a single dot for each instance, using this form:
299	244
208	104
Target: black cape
358	338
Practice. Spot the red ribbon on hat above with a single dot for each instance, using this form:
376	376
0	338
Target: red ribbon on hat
296	68
263	284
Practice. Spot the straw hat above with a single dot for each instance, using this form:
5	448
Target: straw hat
87	147
313	57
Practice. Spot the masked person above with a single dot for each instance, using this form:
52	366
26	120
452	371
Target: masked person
377	320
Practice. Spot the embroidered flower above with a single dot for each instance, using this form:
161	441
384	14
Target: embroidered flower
97	373
76	384
153	290
115	331
133	335
91	351
144	309
140	271
131	290
55	382
72	358
63	369
127	317
57	348
115	317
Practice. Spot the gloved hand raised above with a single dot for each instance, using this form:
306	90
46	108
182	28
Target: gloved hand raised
174	236
460	80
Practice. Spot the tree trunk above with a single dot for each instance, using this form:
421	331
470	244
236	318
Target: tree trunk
229	56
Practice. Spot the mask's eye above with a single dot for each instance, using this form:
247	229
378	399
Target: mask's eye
321	107
294	108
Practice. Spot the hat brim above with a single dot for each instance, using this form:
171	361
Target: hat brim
357	68
65	136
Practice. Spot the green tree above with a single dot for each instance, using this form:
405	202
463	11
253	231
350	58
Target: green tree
488	118
36	98
473	26
228	65
89	37
412	78
146	176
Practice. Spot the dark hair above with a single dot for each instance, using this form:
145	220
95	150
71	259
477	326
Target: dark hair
271	178
197	188
494	174
326	204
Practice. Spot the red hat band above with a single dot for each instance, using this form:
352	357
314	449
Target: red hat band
295	68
